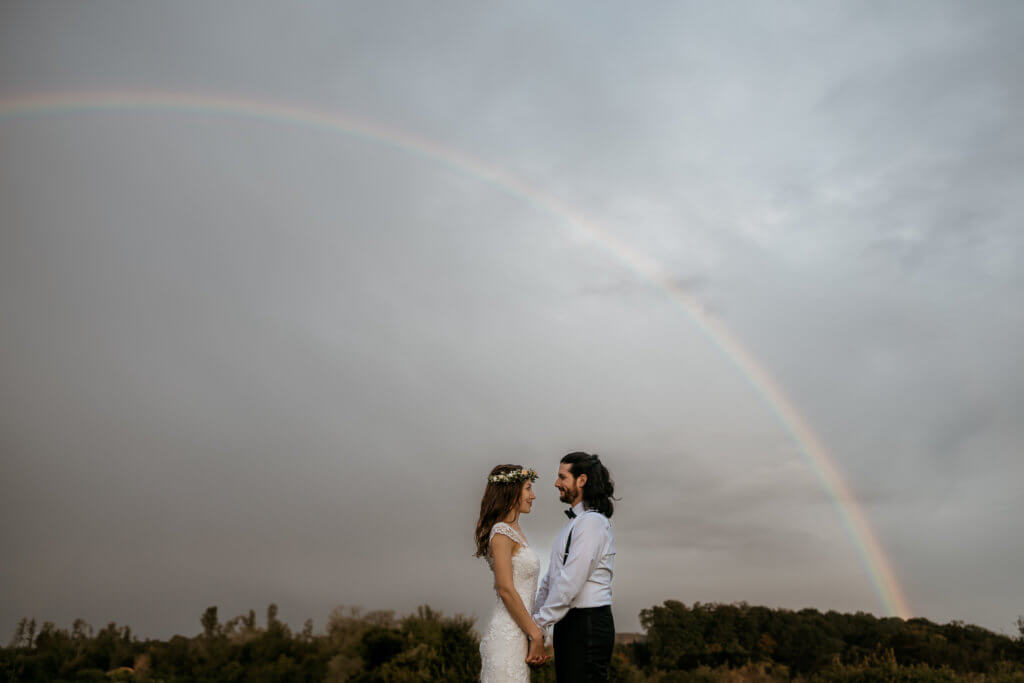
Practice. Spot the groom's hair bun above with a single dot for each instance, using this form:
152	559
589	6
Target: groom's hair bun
599	491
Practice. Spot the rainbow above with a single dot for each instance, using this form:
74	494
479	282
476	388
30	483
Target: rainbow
869	549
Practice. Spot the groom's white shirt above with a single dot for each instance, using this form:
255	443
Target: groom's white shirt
585	579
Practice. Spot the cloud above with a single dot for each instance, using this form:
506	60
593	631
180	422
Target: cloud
241	348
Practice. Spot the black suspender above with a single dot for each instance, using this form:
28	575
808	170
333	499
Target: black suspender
565	556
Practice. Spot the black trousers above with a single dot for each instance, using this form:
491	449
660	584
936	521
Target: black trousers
584	639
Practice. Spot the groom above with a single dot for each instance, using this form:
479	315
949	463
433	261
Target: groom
575	596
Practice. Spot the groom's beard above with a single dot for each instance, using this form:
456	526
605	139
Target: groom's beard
567	496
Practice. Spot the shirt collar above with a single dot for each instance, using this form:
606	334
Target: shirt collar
578	508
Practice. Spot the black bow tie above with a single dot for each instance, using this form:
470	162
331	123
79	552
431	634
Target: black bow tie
569	513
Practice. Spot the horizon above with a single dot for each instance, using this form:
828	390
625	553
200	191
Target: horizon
361	612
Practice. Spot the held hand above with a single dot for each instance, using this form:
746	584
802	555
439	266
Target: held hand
543	635
537	655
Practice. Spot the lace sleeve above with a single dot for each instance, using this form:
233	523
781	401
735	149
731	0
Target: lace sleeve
506	530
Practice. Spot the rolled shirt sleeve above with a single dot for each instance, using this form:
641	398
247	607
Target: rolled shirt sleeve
542	595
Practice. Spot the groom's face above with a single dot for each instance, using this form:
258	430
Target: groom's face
568	489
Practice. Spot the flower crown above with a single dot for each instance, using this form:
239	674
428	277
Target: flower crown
513	476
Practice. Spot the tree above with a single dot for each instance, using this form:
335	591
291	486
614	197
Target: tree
80	629
271	615
19	633
210	622
49	634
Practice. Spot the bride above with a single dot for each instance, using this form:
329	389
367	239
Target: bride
512	641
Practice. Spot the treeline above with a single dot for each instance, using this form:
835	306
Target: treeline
705	642
376	646
781	644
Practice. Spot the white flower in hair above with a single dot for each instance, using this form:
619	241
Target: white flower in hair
513	476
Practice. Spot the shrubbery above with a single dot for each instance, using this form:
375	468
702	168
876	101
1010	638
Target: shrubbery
706	642
710	642
424	646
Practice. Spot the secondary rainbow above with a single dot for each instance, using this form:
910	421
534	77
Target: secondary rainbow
870	550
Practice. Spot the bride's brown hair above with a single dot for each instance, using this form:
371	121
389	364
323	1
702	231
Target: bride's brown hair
498	501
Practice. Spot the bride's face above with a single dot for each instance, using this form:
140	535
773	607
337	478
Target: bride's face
526	497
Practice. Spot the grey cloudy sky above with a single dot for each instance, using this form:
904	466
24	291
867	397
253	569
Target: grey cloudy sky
246	361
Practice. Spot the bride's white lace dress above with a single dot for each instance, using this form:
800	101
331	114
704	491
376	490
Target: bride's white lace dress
504	646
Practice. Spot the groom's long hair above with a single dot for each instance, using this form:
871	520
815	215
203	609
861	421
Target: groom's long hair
599	491
498	501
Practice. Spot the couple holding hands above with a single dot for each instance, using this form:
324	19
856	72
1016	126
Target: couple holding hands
572	604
